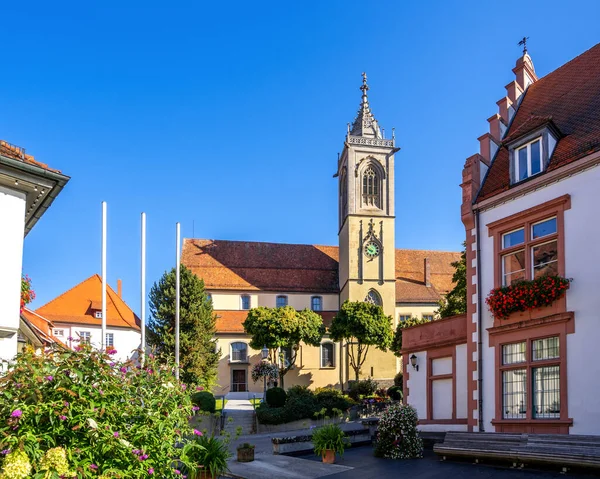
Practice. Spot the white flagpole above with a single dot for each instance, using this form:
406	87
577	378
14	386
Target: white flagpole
143	289
103	338
177	301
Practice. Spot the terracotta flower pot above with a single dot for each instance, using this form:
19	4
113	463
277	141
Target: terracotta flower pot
329	456
203	474
245	455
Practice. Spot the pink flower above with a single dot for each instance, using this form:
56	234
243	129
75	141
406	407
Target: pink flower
49	378
199	388
177	471
17	413
123	369
116	434
195	408
184	386
197	433
151	471
93	466
78	348
111	351
62	418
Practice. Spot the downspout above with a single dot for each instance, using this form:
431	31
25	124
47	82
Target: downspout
479	332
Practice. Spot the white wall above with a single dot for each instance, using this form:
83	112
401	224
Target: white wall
125	340
461	382
582	260
232	300
12	230
417	385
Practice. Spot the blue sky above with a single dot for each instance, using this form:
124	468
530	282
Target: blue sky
228	116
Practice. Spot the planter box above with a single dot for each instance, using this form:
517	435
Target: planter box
297	425
245	455
293	445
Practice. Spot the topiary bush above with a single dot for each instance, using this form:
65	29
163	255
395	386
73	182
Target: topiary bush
276	397
205	401
80	414
272	415
364	387
331	399
399	379
298	390
397	434
395	393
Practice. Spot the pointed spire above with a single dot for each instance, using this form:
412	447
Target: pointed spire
365	123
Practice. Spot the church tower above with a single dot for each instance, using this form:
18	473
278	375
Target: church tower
366	216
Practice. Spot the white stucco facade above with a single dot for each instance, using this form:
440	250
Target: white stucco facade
581	260
12	227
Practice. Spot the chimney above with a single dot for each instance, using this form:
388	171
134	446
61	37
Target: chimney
427	273
120	288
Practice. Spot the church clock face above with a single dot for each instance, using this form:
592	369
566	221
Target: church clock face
372	250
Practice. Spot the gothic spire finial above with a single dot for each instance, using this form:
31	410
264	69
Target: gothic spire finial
364	87
365	124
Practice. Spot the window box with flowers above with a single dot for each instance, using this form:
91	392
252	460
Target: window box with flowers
527	297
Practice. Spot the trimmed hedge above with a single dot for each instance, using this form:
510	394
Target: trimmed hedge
399	379
364	387
276	397
331	399
395	393
205	401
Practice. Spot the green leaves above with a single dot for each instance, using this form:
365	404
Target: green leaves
455	301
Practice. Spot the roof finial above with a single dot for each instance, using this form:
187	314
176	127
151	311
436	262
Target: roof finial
523	42
364	87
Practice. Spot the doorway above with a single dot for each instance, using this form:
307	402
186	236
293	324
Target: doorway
238	381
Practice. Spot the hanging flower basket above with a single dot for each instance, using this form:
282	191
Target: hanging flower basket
27	294
526	295
265	370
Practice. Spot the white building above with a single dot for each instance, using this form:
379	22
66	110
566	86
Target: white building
27	189
76	316
530	209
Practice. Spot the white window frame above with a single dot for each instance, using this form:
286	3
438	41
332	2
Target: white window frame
242	297
98	314
87	335
332	355
244	359
430	315
59	333
281	296
110	343
320	298
517	176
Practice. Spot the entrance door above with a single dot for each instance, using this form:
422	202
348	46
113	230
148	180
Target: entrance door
238	381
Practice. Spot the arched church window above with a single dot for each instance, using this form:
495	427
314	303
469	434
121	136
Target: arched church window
371	188
373	297
344	187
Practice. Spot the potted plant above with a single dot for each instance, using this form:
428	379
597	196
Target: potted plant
245	452
209	454
329	440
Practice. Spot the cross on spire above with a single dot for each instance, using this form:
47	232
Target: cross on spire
523	43
364	87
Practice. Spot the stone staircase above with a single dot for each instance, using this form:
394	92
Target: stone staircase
239	413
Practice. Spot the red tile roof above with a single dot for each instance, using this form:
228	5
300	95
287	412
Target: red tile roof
253	266
40	325
78	306
17	153
570	98
231	321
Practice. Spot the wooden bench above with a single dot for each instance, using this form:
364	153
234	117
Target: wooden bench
521	449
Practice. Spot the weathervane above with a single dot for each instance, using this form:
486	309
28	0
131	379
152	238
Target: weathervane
524	44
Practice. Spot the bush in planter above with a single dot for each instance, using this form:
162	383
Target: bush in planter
397	435
329	438
276	397
205	401
364	387
395	393
109	417
331	399
245	452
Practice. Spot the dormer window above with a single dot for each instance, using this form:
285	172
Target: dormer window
98	314
528	160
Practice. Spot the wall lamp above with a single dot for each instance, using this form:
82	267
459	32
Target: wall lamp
413	362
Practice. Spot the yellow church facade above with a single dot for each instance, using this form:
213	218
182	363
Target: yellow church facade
365	266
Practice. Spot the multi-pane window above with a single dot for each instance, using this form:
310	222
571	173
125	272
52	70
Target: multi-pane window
373	297
281	301
239	352
245	301
58	333
327	355
427	317
531	379
84	336
98	314
286	356
405	317
530	252
370	188
110	340
316	303
527	160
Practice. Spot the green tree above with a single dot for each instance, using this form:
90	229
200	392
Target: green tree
455	301
281	330
407	323
198	354
362	325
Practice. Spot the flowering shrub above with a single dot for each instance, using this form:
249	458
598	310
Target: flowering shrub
27	294
397	435
265	370
526	295
78	414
